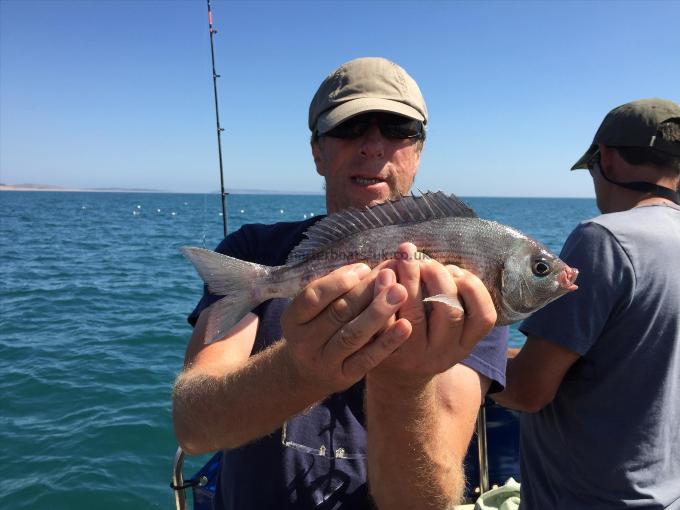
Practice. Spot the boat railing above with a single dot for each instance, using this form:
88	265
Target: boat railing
178	480
482	454
179	485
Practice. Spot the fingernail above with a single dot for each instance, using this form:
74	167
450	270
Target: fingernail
385	278
361	270
400	332
455	270
394	295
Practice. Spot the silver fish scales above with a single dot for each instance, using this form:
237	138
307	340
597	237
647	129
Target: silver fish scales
520	274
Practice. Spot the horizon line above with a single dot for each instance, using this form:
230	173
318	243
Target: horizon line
244	191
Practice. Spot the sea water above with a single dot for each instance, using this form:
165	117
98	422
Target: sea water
94	296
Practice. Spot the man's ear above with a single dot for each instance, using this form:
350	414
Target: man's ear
608	155
614	165
605	152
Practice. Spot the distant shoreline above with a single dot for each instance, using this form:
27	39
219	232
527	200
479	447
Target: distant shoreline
40	187
5	187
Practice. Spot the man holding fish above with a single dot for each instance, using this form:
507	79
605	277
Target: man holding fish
599	374
357	392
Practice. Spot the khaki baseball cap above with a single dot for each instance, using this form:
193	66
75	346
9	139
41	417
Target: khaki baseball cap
635	124
369	84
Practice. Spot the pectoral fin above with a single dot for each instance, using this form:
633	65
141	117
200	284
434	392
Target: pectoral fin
452	301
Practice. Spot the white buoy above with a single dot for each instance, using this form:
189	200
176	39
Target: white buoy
220	214
281	211
242	211
158	210
174	213
139	207
311	214
185	203
134	213
304	216
83	207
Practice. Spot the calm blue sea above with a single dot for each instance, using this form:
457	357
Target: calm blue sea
93	305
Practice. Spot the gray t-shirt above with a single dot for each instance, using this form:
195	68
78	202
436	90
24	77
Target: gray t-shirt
611	437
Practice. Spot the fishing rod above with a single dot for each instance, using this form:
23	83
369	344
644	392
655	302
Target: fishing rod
217	121
178	484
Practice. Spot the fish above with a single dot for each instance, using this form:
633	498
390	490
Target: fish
520	273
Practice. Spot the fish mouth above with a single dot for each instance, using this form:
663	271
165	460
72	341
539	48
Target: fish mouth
567	277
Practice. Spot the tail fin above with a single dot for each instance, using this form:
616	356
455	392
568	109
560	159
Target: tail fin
237	280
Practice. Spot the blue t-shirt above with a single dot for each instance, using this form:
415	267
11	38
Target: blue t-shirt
610	439
267	474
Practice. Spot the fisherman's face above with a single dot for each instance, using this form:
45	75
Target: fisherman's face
365	170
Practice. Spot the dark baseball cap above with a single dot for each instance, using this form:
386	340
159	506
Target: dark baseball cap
635	124
368	84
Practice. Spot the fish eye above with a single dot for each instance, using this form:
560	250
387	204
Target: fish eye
540	267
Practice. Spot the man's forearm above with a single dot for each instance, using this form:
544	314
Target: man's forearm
534	375
213	412
512	395
410	462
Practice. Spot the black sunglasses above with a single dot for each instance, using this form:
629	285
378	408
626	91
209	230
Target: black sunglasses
390	126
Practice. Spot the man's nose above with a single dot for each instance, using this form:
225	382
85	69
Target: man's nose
373	143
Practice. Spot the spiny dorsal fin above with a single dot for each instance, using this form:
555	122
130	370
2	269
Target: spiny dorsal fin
407	209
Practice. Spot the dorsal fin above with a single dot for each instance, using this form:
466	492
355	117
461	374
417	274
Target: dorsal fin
407	209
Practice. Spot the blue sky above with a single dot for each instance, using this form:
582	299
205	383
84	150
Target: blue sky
119	93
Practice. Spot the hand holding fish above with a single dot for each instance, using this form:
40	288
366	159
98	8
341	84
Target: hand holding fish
447	334
337	329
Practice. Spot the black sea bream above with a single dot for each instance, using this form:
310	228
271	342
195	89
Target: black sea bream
520	274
